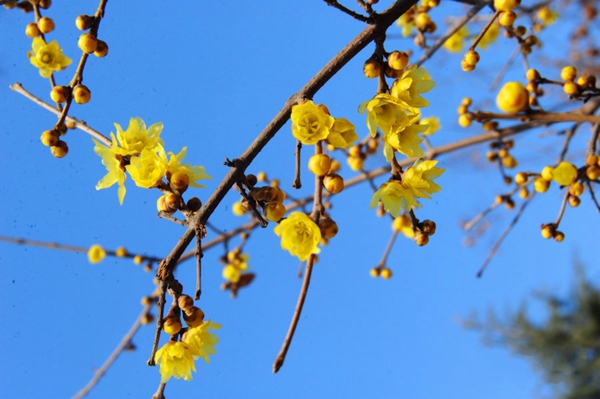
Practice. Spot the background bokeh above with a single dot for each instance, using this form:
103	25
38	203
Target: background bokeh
215	73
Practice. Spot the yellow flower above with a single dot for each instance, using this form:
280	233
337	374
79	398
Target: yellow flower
47	57
384	111
193	172
546	16
402	224
136	138
432	123
310	123
342	134
456	42
490	36
395	197
513	98
175	360
564	174
408	87
115	174
406	22
300	235
419	178
148	169
232	271
201	342
405	140
96	254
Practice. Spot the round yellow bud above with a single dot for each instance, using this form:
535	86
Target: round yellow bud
422	20
548	172
319	164
121	252
49	138
185	302
386	273
582	81
261	176
274	211
397	60
541	185
333	183
465	66
356	163
81	94
548	231
193	316
571	88
591	160
559	236
328	227
84	22
509	161
32	30
464	121
506	5
429	227
421	238
374	272
138	259
532	74
372	68
147	319
238	209
507	18
172	325
472	57
568	73
87	43
146	300
60	149
576	189
467	101
335	166
96	254
592	172
523	193
512	98
59	94
401	222
574	201
521	178
101	49
45	25
179	181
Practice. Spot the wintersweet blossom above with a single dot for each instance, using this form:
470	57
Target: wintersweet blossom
419	178
47	57
565	173
407	23
299	234
432	123
232	271
342	134
116	172
201	342
136	138
456	42
310	123
403	224
405	140
175	360
395	197
383	112
194	173
411	84
148	168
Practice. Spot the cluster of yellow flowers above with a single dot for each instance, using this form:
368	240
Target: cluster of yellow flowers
139	151
236	265
176	358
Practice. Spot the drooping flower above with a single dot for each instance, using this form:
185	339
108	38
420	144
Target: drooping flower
395	197
194	173
403	224
175	360
433	124
137	138
405	139
299	234
342	134
235	266
201	342
407	22
148	168
409	87
419	178
116	173
456	42
47	57
383	112
310	123
96	254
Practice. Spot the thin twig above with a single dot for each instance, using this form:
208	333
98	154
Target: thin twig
348	11
297	184
125	342
199	255
481	116
504	234
388	249
160	392
569	133
161	312
563	206
469	225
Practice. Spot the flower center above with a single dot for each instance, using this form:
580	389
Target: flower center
46	58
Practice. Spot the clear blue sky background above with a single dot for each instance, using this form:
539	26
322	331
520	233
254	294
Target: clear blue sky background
215	73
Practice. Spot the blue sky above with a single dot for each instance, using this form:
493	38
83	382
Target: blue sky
215	74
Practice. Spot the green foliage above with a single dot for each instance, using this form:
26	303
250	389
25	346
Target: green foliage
565	346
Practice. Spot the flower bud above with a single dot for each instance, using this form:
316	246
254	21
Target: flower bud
84	22
397	60
60	149
328	227
32	30
172	325
372	68
274	211
49	138
45	25
193	317
185	302
87	43
101	49
81	94
333	183
319	164
59	94
179	181
194	204
386	273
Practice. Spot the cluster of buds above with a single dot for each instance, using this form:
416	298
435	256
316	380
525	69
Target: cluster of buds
323	166
500	151
423	230
550	230
269	198
465	117
88	42
173	201
582	87
51	138
470	60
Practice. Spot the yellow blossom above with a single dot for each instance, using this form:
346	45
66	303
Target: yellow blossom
546	16
456	42
564	174
490	36
395	197
194	173
408	87
406	22
148	169
232	271
175	360
201	342
403	224
405	140
96	254
47	57
136	138
419	178
384	111
299	234
432	123
310	123
115	174
342	134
